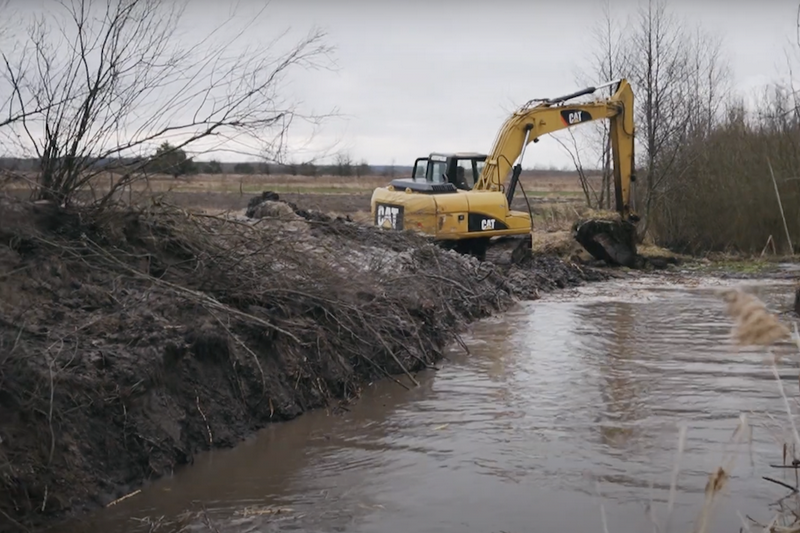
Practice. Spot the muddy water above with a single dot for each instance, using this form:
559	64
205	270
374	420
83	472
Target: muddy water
564	414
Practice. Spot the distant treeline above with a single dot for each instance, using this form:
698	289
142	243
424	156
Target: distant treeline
187	166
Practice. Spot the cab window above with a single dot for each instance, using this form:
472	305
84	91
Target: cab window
420	169
438	171
478	169
465	174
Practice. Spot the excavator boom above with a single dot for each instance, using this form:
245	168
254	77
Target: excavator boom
530	122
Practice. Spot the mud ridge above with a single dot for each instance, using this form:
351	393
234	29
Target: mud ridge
131	339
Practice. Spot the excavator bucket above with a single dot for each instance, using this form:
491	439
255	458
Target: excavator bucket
610	240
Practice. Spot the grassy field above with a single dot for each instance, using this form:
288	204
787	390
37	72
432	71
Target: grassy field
555	198
534	185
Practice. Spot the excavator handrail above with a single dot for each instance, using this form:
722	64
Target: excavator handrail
561	99
582	92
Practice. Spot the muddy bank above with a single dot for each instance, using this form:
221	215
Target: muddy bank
131	340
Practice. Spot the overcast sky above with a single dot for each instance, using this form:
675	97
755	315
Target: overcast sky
418	76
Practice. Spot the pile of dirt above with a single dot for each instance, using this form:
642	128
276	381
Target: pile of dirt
132	339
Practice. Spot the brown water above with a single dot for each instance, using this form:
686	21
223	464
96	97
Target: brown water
564	404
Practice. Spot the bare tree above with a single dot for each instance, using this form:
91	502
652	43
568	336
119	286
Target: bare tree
574	151
680	80
660	54
100	89
610	60
712	80
607	62
343	164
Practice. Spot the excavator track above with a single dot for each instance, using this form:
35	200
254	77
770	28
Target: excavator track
508	250
505	251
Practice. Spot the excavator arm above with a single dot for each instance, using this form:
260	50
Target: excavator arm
547	116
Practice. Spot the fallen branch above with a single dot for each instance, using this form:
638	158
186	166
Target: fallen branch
246	348
123	498
200	297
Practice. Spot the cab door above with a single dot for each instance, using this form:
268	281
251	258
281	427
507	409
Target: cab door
464	172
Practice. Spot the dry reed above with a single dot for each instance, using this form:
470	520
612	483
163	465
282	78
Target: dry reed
755	326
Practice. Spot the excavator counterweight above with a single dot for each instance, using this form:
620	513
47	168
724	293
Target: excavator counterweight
464	199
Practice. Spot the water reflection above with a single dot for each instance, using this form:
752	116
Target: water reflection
613	348
554	395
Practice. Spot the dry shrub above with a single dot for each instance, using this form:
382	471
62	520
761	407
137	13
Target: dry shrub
652	251
721	196
558	243
557	216
600	214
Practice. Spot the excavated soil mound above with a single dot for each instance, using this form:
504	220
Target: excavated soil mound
132	339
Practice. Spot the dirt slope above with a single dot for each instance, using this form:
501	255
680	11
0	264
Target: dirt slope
130	340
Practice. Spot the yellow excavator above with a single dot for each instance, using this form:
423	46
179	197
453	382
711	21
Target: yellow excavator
464	199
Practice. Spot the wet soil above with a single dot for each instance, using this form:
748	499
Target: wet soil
131	340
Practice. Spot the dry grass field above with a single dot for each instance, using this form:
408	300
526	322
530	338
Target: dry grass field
535	185
555	198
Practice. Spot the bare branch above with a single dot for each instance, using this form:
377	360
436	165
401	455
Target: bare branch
99	89
574	154
606	62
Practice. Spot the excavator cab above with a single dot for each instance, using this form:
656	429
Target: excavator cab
462	169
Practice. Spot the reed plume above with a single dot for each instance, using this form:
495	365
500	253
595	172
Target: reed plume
754	324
